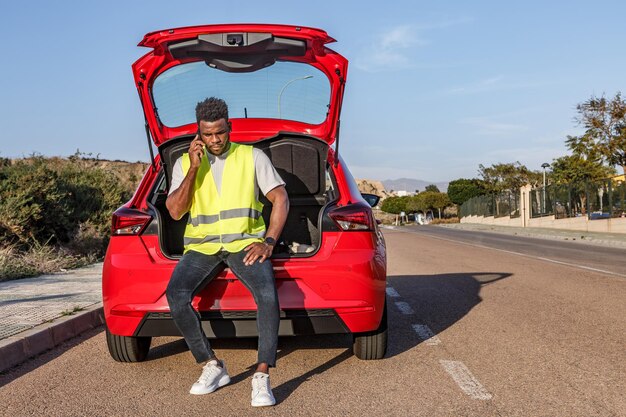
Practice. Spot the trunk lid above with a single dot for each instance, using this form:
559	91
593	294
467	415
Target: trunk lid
275	78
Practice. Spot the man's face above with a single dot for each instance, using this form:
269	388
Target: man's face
215	135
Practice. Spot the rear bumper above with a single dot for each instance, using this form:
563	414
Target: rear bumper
339	290
243	323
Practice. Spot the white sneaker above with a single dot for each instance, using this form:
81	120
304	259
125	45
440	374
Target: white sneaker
261	392
213	377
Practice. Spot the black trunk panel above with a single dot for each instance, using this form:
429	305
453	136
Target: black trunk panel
300	161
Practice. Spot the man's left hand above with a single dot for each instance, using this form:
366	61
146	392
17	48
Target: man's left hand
257	250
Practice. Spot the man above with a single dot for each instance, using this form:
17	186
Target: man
217	183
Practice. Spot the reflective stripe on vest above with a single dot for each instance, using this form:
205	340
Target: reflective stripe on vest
225	214
224	238
232	220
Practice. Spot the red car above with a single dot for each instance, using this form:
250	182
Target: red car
284	88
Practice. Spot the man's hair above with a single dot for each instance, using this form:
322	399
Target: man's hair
211	109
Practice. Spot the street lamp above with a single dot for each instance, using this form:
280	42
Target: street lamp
306	77
543	202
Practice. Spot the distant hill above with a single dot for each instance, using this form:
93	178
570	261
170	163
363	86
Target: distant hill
410	185
384	188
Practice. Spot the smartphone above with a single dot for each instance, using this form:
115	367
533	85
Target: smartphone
203	145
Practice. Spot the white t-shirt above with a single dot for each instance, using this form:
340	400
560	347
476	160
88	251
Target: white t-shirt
266	178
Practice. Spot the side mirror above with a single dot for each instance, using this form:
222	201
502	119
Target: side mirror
372	199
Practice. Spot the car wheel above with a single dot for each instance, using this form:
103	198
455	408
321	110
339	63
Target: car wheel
372	345
128	348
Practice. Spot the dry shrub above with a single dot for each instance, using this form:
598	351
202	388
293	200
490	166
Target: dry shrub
385	218
446	221
37	260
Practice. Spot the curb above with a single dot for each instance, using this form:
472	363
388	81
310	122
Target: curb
20	347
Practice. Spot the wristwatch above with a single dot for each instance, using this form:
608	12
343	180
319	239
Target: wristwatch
270	241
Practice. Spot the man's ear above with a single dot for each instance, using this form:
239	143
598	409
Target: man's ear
230	126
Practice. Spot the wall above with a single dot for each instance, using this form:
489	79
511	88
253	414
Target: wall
617	225
500	221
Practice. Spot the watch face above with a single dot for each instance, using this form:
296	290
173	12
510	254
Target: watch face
270	241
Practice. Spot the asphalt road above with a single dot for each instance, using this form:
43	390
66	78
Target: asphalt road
473	332
609	260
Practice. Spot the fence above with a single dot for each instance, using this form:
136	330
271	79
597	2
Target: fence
601	199
496	205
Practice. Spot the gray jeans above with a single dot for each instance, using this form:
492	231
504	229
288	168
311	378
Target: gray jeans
194	271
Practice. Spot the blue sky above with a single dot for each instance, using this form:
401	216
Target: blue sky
434	88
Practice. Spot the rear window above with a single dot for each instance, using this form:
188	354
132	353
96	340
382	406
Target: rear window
285	90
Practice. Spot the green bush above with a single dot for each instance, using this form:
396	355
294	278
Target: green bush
49	201
30	203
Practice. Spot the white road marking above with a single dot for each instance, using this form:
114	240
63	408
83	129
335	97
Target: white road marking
391	292
427	335
465	380
554	261
405	308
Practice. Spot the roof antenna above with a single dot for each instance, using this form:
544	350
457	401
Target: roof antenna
245	112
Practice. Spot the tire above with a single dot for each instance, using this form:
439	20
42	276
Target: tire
128	348
372	345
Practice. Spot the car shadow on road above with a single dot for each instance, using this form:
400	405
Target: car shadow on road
288	345
437	301
284	390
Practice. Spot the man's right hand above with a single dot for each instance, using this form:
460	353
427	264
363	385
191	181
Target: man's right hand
179	201
196	150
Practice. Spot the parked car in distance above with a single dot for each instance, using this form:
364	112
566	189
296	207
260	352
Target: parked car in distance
284	88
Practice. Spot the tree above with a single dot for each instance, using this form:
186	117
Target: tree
535	178
577	169
461	190
433	188
428	200
605	135
395	205
501	177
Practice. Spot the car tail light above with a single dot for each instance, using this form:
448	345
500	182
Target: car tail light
127	221
353	217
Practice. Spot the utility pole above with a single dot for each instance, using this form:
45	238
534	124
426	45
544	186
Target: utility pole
543	200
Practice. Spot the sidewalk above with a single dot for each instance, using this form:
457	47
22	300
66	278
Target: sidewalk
617	240
39	313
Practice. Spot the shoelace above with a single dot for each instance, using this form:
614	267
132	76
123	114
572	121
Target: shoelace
207	372
261	384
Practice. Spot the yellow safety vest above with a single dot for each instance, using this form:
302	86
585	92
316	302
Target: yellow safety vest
231	220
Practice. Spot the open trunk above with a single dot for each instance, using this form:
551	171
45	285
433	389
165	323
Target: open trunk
300	160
